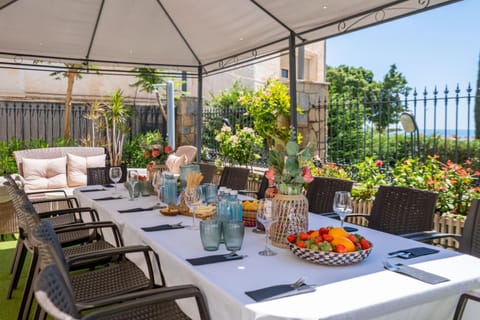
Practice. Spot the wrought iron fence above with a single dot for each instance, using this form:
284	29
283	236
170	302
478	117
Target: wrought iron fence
370	126
41	120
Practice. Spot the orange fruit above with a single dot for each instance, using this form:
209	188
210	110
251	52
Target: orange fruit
338	233
314	235
347	243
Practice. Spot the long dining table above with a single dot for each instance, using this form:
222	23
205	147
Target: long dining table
364	290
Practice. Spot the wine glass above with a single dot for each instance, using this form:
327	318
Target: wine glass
266	216
192	200
132	179
342	205
115	174
157	182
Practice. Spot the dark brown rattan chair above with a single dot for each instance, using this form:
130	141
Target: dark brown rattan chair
260	193
321	191
402	211
469	241
235	178
94	287
208	170
55	295
101	176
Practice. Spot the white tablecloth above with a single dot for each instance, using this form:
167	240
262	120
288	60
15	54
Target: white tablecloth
360	291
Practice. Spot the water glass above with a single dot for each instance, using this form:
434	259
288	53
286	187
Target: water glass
132	180
210	231
233	232
342	205
115	174
210	192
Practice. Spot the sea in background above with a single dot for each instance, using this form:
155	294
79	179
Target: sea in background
461	133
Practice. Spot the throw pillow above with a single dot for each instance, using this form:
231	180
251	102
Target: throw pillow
174	162
77	168
44	173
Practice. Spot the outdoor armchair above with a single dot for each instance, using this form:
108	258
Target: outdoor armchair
402	211
54	294
235	178
321	191
469	241
208	170
94	287
260	193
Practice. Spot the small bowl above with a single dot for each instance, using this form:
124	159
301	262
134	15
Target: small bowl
328	257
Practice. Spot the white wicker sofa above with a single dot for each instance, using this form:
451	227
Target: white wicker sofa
57	168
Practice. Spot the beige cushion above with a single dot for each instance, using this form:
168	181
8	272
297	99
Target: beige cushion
77	168
45	173
174	162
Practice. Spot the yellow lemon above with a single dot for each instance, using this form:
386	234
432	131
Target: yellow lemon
338	233
346	242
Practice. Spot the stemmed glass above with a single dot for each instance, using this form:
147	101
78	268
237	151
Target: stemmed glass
157	182
266	216
115	174
342	205
192	200
132	179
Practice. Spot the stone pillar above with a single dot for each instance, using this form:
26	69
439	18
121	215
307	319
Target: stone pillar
185	120
312	124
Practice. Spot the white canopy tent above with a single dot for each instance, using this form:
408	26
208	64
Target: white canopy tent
201	37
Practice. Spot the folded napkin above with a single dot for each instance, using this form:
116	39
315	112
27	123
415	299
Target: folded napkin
92	190
135	210
277	292
350	229
413	252
108	185
162	227
417	274
214	259
107	198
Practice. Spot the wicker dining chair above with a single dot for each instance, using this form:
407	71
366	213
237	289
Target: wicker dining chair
101	175
54	294
469	240
402	211
235	178
260	193
321	191
93	287
208	171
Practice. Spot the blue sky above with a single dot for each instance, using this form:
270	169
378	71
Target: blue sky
438	47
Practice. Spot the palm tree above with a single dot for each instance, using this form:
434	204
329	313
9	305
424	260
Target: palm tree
116	126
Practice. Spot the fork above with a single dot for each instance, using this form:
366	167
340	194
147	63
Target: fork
297	284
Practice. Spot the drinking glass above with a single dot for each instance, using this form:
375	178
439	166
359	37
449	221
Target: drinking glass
233	232
157	182
210	231
132	179
192	200
266	216
115	174
342	205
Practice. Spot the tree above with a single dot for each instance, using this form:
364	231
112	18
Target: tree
477	104
148	81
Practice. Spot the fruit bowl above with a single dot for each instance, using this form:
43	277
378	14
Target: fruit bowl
330	257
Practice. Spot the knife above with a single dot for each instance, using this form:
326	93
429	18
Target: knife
294	292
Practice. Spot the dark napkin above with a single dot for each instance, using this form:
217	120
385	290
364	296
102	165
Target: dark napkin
214	259
413	252
108	185
135	210
162	227
92	190
107	198
285	290
350	229
419	274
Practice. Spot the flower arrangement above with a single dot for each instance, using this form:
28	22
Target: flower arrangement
290	168
239	148
156	148
329	169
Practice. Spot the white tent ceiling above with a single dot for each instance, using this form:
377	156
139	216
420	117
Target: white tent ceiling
186	34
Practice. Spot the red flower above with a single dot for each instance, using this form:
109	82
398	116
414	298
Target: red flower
468	162
379	163
307	174
270	175
167	149
430	181
406	162
147	154
155	152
